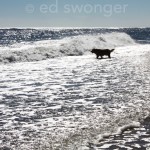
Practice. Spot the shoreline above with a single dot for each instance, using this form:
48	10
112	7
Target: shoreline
131	138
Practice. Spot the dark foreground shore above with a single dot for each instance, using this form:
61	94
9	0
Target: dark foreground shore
137	138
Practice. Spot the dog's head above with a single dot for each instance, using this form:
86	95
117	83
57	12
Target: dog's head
93	50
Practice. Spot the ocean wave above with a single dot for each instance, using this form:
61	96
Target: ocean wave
70	46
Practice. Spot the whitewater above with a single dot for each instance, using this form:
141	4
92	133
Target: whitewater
55	94
69	46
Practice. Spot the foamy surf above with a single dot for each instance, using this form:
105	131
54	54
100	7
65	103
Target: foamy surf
70	46
66	103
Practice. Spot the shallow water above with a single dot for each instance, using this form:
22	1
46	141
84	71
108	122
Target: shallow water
37	97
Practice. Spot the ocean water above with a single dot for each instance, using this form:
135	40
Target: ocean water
54	93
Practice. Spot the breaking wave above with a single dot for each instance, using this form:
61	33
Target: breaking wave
69	46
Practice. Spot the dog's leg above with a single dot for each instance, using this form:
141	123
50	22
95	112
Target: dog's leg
109	55
97	56
101	57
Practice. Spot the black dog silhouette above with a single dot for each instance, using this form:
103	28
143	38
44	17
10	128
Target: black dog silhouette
102	52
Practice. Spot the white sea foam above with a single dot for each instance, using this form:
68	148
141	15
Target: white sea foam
78	45
73	99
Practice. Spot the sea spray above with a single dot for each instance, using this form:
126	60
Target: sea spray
70	46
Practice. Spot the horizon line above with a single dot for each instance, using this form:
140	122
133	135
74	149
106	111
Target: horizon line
67	27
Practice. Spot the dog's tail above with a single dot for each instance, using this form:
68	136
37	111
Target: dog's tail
112	50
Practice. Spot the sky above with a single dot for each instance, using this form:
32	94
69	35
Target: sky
74	13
